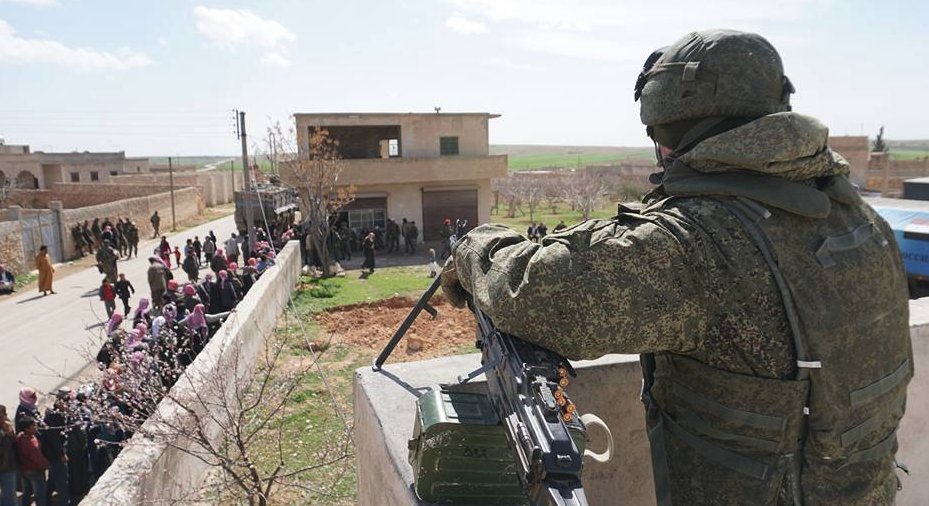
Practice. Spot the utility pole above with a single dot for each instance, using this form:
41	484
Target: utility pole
271	152
247	187
232	173
171	178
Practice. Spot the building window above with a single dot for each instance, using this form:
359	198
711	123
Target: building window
114	173
360	220
448	146
94	175
75	177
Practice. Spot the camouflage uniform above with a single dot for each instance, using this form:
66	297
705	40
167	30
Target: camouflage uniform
761	282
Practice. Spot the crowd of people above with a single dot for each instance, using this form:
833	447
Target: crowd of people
122	236
537	231
55	457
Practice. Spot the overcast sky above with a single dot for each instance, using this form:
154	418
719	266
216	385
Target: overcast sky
161	77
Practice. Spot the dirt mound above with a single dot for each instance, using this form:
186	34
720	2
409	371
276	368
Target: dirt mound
371	325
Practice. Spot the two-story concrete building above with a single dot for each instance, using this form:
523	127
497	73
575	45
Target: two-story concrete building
40	170
420	166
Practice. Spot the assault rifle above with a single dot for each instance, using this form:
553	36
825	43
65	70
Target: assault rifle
526	389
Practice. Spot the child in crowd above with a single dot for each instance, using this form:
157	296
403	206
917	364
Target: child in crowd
177	256
107	293
123	287
32	464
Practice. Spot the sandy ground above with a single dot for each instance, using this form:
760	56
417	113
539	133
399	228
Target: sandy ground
371	325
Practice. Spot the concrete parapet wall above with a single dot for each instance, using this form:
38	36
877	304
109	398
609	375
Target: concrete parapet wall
154	472
385	411
608	387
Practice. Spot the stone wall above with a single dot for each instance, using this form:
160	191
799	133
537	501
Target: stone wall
11	248
75	195
187	205
216	187
154	472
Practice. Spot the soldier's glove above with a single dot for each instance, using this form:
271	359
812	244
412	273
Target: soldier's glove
452	289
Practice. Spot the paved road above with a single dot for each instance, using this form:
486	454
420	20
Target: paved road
45	339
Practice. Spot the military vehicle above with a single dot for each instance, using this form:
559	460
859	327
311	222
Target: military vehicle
276	204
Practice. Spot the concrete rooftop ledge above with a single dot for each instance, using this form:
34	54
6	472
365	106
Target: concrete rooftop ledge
608	387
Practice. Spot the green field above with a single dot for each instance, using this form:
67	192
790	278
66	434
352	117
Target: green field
908	154
530	157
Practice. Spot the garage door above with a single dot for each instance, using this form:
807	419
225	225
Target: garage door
451	204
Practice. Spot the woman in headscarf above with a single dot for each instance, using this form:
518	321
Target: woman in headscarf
44	264
190	299
113	325
218	262
28	406
142	313
164	251
223	296
368	246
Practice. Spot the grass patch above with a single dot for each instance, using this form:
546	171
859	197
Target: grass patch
321	294
908	154
25	279
550	219
526	157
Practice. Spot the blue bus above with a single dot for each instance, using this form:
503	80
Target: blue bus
909	220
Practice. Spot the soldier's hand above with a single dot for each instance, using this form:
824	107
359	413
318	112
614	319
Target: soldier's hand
452	289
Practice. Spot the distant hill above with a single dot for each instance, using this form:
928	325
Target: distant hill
532	157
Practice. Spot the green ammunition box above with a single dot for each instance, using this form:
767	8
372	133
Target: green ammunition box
459	451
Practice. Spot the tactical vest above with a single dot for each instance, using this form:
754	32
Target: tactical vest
825	436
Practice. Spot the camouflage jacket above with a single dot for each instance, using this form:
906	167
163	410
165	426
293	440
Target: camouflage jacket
684	278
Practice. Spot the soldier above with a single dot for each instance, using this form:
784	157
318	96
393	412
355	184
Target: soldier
393	236
106	261
132	239
97	231
768	299
78	239
155	220
88	237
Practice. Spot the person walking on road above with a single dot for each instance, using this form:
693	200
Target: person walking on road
191	265
46	270
156	224
157	279
107	294
232	249
209	249
368	247
106	261
123	288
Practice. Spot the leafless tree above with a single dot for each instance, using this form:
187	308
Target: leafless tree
530	190
585	192
554	191
227	416
314	170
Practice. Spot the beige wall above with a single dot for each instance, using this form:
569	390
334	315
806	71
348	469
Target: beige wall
857	151
406	200
187	204
49	168
419	133
446	169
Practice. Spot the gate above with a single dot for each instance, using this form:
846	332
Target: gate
39	229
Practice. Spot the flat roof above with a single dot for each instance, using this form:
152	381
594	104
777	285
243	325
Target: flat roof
353	115
913	205
921	180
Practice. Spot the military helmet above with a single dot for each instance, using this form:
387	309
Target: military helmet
716	73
